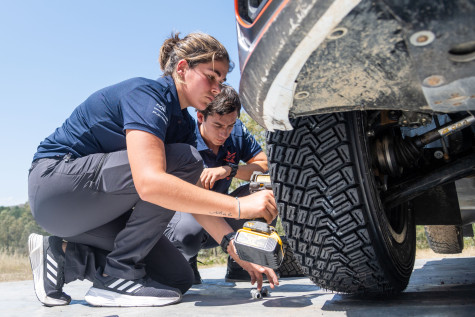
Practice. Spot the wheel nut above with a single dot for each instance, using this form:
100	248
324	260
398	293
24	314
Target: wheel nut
438	155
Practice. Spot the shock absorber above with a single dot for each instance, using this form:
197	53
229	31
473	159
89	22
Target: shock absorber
392	153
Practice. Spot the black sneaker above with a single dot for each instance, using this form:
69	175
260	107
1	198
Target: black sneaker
194	266
111	291
47	265
235	273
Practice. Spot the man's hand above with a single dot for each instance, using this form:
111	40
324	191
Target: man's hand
254	270
209	176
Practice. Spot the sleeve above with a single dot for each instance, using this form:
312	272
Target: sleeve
144	110
250	147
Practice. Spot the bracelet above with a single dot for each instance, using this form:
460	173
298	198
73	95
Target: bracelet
239	209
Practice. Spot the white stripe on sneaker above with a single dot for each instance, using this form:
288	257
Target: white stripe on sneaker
133	288
120	280
52	261
51	278
41	269
51	269
125	285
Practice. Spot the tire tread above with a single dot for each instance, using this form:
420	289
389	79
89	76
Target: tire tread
319	202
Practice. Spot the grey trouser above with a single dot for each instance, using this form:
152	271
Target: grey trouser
188	236
92	203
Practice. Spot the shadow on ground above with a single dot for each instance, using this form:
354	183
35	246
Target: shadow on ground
442	287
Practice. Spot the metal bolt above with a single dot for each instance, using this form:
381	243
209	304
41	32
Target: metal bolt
434	80
337	33
438	155
422	38
302	95
370	133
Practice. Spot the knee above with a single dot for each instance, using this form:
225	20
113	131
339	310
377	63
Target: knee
185	233
191	244
184	161
181	154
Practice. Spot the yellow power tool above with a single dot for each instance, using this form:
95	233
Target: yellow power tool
257	242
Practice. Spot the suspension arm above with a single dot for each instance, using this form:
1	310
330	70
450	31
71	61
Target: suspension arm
449	173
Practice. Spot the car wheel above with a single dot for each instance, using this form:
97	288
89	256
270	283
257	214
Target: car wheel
445	239
328	200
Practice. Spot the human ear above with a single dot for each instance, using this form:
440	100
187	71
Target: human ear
200	117
181	68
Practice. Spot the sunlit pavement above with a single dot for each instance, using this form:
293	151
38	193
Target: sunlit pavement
438	287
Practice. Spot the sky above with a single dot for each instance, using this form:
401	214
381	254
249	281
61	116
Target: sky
55	53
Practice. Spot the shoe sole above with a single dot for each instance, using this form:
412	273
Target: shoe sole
36	254
101	297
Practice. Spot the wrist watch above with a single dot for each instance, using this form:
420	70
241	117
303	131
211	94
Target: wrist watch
226	240
234	168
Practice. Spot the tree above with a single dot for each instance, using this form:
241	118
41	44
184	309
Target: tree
259	134
255	129
16	224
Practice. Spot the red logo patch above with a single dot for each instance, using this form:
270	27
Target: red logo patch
230	157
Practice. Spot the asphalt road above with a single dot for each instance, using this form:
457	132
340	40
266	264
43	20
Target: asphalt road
438	287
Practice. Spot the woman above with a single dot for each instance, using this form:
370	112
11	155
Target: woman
109	179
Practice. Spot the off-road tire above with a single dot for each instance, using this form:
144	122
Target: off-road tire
290	267
331	210
445	239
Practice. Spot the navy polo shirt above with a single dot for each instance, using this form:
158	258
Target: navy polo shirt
239	146
98	124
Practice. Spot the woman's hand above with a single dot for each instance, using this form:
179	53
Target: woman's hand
259	205
209	176
254	270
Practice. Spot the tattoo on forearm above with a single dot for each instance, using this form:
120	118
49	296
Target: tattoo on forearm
221	213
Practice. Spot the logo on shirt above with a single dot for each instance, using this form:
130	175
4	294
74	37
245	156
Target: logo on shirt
159	110
230	157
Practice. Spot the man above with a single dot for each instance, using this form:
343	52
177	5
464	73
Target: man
223	141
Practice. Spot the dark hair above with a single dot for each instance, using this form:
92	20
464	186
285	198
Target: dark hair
227	101
195	48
